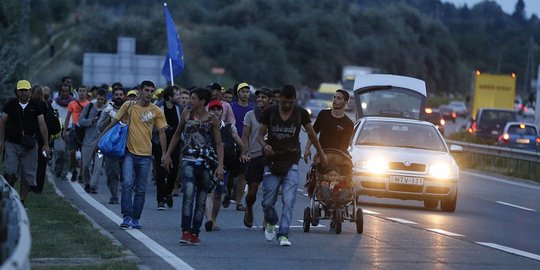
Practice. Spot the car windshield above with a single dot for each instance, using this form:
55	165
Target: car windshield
457	105
395	134
498	116
528	130
393	102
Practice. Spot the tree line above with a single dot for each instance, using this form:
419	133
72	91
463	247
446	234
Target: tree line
270	43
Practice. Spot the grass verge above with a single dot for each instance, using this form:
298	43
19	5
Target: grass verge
63	238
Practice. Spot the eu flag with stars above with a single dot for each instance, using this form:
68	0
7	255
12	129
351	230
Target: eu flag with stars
175	49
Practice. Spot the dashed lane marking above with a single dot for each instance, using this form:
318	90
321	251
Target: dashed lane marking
403	221
511	250
516	206
447	233
152	245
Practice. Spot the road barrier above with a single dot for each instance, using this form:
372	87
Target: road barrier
519	163
15	240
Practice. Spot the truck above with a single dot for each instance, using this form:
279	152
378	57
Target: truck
493	91
349	73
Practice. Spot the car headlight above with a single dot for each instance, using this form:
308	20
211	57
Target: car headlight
375	165
439	170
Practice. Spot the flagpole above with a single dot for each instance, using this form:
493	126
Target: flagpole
170	68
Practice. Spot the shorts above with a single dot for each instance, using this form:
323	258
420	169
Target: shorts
255	170
72	144
16	157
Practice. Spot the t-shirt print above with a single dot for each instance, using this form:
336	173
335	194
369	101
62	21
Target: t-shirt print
147	117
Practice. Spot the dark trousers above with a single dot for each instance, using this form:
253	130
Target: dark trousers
165	181
40	172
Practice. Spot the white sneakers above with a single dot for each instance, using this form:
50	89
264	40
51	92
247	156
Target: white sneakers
269	232
284	241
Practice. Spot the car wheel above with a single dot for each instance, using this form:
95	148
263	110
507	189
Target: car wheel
431	204
449	205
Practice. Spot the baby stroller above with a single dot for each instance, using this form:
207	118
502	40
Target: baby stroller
332	194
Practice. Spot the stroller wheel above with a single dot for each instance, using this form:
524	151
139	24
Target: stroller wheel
316	216
307	219
359	219
337	220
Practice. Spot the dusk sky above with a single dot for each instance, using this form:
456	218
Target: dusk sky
508	6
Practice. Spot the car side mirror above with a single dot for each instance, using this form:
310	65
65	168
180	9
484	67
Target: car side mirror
456	148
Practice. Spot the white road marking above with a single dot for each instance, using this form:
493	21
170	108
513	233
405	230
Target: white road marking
162	252
404	221
445	232
369	212
516	206
318	226
502	180
511	250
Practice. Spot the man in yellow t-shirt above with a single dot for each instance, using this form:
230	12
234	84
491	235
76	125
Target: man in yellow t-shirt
141	116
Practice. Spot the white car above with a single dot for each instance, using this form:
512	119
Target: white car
396	155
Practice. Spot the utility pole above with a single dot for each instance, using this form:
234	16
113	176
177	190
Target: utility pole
529	66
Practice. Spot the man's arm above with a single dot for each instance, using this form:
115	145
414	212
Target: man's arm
3	120
66	124
44	133
103	121
83	121
313	137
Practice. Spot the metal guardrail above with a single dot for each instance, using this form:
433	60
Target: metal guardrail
499	151
15	240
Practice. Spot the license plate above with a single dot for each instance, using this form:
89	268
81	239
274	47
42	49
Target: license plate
494	132
522	140
406	180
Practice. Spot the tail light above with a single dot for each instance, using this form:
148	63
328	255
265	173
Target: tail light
442	122
520	106
472	129
525	109
506	137
537	139
454	115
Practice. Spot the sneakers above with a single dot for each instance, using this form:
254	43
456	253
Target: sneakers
161	206
186	238
113	201
74	176
226	202
93	190
126	223
269	232
248	217
169	201
189	239
209	225
240	207
135	224
87	188
284	241
195	239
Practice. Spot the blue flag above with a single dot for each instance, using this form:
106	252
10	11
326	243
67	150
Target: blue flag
175	49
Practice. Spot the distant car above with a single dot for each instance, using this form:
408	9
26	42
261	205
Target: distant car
448	113
314	106
518	105
435	117
396	154
489	123
520	135
459	108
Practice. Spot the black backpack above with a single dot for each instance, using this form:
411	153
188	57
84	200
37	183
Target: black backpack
231	151
52	121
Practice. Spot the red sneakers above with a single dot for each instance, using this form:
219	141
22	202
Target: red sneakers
195	239
189	239
186	238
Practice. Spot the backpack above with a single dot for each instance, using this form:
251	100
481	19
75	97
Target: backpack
231	151
79	131
52	121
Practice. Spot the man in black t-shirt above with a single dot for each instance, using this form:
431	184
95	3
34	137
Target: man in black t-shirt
334	126
282	152
20	124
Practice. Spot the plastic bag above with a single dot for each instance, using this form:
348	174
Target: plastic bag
113	143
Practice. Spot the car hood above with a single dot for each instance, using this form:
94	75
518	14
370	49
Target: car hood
398	154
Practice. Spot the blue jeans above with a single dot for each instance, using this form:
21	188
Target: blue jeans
135	171
289	184
195	184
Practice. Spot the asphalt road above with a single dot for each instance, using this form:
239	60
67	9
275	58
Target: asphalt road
495	226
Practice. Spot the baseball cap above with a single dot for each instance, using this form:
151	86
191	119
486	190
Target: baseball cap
242	85
214	103
264	91
215	86
133	92
23	84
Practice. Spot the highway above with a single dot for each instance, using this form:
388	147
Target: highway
495	226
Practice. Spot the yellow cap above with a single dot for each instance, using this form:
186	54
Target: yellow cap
133	92
242	85
23	84
159	91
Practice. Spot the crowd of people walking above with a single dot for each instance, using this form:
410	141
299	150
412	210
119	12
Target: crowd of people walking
206	144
